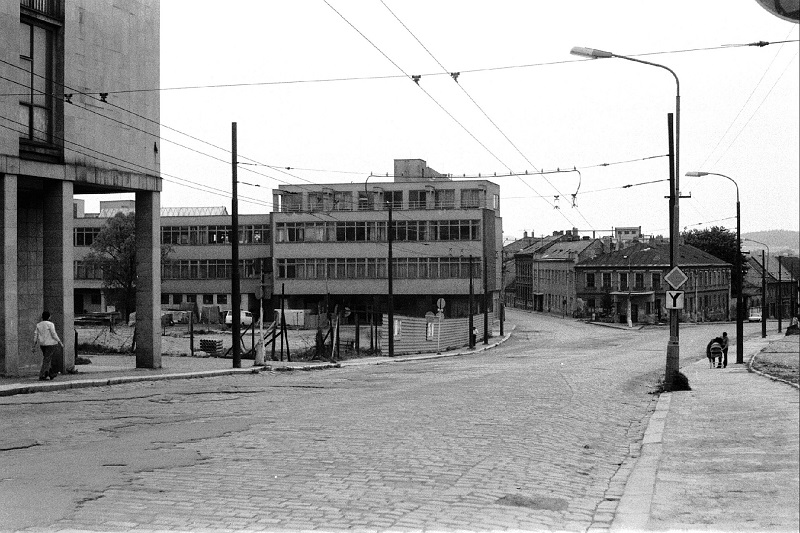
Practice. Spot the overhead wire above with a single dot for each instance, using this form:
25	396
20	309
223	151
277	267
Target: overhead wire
416	80
133	167
398	76
454	76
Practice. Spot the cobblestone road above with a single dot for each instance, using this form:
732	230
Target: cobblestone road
534	435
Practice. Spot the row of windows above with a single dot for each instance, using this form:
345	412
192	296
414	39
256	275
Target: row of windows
627	280
207	299
404	230
697	278
368	201
211	269
190	235
186	269
200	235
375	268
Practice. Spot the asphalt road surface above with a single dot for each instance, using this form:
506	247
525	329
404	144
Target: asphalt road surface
534	434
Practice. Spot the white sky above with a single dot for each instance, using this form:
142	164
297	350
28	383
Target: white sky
739	105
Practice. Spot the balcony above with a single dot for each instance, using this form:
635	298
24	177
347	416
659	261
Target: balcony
50	8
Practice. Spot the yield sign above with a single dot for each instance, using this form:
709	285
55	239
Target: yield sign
675	278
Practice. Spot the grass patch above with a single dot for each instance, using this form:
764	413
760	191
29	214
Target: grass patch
778	370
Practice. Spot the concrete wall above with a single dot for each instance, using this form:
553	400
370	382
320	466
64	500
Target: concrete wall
112	45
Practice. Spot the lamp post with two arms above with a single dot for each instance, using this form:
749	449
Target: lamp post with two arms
673	346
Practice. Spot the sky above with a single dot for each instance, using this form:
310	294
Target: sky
521	103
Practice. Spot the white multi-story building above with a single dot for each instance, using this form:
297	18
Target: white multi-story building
331	243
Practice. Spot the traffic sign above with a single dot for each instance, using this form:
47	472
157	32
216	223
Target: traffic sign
675	278
440	303
675	299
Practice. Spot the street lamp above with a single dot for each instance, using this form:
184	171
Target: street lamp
673	346
737	266
764	306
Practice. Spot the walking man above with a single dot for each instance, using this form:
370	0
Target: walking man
46	337
725	349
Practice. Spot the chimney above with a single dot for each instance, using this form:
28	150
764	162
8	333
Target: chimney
524	234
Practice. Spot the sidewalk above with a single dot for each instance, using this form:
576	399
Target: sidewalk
724	456
116	369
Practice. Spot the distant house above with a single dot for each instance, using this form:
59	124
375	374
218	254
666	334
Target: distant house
781	286
553	271
629	283
525	296
510	266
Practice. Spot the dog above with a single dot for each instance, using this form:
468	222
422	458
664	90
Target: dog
714	351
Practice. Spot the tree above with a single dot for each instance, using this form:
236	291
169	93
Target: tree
114	253
719	242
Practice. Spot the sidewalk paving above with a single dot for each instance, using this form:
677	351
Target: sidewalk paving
724	456
116	369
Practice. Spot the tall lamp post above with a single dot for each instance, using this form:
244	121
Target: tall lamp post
764	306
673	346
737	266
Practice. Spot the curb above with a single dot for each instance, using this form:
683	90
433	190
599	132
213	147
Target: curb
766	375
84	383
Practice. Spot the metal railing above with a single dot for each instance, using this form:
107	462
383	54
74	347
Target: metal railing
51	8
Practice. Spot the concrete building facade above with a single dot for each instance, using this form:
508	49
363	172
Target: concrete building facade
331	243
65	133
197	268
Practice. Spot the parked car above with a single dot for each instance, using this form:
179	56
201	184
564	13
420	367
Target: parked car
245	316
754	316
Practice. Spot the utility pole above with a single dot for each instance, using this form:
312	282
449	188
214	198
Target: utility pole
236	304
471	324
390	273
763	297
485	299
780	297
673	345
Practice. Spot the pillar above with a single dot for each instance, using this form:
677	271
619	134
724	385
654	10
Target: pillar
148	282
9	337
57	258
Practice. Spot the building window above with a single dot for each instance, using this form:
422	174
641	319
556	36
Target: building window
639	277
316	201
417	199
470	198
208	299
177	299
606	280
656	281
85	236
496	201
36	104
343	201
222	299
395	198
623	281
164	299
590	280
445	199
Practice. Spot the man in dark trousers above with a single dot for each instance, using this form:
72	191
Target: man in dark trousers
725	349
45	336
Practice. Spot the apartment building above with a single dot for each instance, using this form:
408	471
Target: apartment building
630	283
332	246
553	273
64	131
197	269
